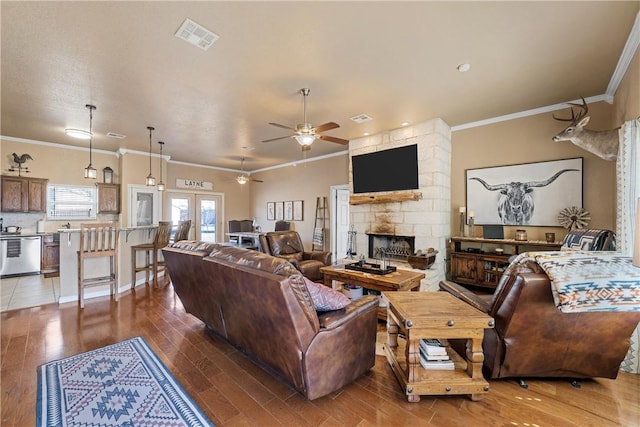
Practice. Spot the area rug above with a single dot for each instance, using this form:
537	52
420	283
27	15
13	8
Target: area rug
123	384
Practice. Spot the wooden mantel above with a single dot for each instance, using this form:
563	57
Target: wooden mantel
398	196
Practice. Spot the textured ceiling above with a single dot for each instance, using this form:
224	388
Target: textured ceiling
395	61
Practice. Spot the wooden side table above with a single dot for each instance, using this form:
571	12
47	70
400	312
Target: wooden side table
440	315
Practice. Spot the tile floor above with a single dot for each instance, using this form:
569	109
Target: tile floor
28	291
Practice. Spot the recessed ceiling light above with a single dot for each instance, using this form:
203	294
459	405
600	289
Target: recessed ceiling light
366	134
405	123
78	133
463	68
248	148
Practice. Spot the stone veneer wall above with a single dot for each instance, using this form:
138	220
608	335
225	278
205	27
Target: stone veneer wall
428	219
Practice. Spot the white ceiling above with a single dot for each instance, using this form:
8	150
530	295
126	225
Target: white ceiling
395	61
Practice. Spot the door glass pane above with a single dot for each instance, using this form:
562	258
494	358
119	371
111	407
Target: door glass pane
208	220
179	212
144	209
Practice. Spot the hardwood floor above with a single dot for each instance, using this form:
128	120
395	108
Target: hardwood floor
233	391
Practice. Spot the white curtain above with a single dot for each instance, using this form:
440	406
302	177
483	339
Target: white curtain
628	180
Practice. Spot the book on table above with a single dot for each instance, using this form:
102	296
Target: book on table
433	347
433	355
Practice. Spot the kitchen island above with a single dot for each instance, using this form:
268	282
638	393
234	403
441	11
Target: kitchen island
69	246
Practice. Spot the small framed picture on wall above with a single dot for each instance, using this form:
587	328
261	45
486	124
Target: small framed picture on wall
279	211
288	211
271	211
297	210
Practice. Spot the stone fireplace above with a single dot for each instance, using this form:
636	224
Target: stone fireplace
401	221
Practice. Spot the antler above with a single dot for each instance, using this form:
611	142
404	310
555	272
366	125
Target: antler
575	119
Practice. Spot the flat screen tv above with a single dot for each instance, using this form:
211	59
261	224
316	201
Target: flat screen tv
387	170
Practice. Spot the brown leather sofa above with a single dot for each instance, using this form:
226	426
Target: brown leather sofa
288	245
261	305
532	338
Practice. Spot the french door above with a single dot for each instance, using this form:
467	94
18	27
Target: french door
205	211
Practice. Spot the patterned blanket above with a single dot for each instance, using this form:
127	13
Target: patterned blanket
589	281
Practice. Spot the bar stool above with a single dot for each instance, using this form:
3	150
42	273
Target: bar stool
182	232
98	240
151	251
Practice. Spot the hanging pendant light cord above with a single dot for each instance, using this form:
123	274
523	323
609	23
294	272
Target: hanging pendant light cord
91	107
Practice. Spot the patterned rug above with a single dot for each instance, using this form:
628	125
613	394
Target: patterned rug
123	384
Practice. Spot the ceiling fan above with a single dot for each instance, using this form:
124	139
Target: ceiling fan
306	133
243	178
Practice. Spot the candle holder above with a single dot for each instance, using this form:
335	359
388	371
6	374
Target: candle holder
472	231
461	224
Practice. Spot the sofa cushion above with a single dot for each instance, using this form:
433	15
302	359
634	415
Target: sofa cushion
324	298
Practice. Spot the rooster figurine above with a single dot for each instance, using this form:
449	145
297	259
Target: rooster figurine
19	160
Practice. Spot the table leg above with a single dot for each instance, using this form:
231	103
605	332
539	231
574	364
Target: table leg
327	280
412	354
392	331
475	357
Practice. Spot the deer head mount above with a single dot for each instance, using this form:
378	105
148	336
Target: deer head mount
603	144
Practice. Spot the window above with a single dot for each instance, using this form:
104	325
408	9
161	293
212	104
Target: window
71	202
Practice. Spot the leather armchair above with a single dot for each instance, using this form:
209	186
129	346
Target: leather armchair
288	245
532	338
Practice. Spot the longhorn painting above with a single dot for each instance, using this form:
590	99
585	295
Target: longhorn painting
525	194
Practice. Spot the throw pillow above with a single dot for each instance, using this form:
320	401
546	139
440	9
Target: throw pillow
324	298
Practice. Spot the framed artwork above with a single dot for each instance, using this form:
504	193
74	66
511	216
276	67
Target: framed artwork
279	211
297	210
271	211
524	194
288	211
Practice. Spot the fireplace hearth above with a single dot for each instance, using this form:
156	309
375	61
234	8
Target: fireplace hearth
391	246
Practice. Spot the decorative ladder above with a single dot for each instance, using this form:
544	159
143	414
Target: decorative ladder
319	229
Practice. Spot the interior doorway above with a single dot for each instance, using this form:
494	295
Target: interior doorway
339	221
205	210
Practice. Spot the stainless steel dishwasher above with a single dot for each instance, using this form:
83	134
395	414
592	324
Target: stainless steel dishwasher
19	255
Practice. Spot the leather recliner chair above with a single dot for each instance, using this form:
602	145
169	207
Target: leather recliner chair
288	245
533	338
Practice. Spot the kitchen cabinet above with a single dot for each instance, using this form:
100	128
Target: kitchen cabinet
50	263
474	261
108	198
20	194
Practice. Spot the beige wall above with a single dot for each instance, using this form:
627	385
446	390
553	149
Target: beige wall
306	182
529	140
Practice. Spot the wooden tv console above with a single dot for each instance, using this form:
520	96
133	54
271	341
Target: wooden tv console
474	261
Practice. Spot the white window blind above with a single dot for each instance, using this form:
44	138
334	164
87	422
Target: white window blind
71	202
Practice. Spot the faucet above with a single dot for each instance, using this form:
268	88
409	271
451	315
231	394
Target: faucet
67	225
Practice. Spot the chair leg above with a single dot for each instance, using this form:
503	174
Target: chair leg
147	263
80	284
114	278
133	268
155	268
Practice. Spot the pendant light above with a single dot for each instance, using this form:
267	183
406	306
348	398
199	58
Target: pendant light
151	181
161	184
90	172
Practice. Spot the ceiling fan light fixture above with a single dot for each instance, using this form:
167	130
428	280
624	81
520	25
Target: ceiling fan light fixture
78	133
305	140
242	179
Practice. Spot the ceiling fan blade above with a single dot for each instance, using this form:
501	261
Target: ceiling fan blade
256	180
283	126
334	139
327	126
275	139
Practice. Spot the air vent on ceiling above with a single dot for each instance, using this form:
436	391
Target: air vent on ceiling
361	118
116	135
196	34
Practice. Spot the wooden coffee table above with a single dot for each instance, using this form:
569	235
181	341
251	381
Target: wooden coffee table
435	315
399	280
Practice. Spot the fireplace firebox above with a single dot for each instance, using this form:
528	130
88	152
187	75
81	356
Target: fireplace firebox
391	246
